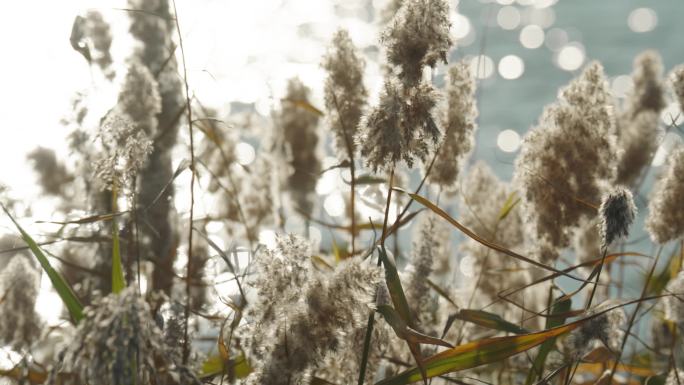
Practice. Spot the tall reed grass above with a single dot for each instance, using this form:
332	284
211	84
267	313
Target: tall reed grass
143	282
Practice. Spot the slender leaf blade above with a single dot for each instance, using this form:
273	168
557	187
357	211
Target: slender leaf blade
658	283
489	320
214	366
302	103
65	292
403	331
509	205
118	279
559	307
477	353
494	246
440	291
401	305
394	286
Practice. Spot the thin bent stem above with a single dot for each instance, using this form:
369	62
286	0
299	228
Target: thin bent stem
189	265
371	317
634	314
598	276
136	229
387	208
352	169
232	192
403	212
478	282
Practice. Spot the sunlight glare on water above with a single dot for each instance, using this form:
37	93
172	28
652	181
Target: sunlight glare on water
511	67
642	20
571	57
508	17
532	36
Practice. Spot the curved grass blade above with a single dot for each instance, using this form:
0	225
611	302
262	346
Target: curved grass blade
394	286
403	331
344	164
319	261
214	366
366	348
301	103
339	253
427	203
225	258
559	307
89	219
118	280
609	258
509	205
478	353
658	283
597	368
440	291
401	305
367	179
489	320
65	292
222	348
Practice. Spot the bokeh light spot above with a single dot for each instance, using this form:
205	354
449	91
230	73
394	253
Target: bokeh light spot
571	57
508	141
460	26
245	153
532	36
642	20
508	17
511	67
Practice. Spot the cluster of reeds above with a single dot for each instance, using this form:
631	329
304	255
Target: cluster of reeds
545	302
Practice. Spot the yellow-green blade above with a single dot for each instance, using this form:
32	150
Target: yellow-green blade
118	279
477	353
489	320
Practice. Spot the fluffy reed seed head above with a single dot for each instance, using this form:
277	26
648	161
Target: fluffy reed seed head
638	139
126	130
617	212
19	283
566	160
301	315
674	304
417	37
458	122
665	220
53	175
345	94
400	128
638	133
118	342
299	128
677	79
139	98
648	91
431	245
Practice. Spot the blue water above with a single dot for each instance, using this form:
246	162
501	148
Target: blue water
601	26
